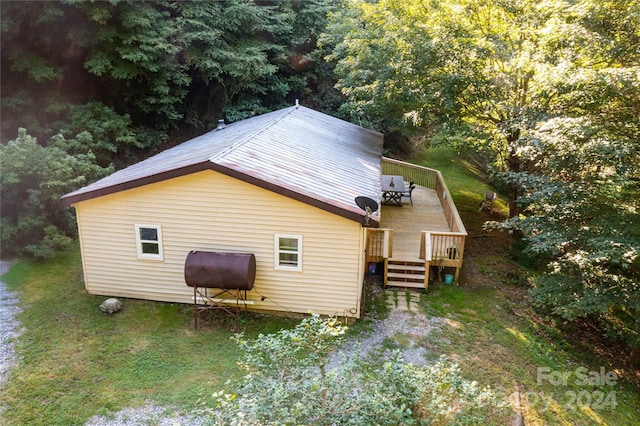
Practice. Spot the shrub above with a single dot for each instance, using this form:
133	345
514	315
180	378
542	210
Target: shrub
289	381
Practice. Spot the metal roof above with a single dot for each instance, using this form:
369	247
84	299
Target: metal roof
298	152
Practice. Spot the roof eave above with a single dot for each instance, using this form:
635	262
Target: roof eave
331	208
73	198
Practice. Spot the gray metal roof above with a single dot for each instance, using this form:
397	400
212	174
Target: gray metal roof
296	151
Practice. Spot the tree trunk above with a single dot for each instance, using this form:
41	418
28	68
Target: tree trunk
512	192
514	163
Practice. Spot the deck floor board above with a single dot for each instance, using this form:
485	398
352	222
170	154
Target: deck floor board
409	221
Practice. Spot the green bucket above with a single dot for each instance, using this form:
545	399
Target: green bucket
448	278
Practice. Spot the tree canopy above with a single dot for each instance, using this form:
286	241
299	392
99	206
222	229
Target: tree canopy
104	84
550	90
165	64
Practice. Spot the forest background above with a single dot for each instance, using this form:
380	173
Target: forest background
545	94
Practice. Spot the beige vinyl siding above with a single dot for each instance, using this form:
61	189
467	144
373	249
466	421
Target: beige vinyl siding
211	211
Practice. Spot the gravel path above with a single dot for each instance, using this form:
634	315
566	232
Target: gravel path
403	327
146	415
9	325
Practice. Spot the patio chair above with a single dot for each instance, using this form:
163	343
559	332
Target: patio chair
408	192
487	202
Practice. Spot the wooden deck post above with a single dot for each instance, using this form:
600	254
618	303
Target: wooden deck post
427	266
386	269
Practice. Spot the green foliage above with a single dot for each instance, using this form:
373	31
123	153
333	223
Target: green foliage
42	49
308	345
135	53
193	60
163	64
550	89
486	73
289	382
583	202
111	137
33	180
51	244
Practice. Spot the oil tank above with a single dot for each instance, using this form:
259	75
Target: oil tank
220	270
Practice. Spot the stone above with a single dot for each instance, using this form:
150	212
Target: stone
111	306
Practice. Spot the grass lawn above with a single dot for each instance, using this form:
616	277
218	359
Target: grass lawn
77	362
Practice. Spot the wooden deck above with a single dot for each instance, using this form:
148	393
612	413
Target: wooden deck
409	221
411	239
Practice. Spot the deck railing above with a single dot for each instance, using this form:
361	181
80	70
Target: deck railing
442	249
379	244
422	176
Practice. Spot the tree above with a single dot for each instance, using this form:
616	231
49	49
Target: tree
164	64
551	89
583	203
112	138
470	69
43	48
33	180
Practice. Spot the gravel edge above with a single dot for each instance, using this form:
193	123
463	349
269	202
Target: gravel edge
10	327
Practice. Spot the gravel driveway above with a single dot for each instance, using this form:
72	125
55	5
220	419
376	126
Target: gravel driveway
9	325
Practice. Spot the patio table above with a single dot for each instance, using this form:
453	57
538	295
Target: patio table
392	189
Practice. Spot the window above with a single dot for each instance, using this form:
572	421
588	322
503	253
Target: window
288	252
149	242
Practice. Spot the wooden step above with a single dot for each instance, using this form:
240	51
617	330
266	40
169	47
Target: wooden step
405	284
404	276
407	272
412	268
401	267
412	261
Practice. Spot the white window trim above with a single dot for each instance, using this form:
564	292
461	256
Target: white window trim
139	241
276	253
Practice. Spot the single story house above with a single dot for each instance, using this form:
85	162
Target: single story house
280	185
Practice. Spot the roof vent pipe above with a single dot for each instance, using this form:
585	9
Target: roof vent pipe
297	103
221	125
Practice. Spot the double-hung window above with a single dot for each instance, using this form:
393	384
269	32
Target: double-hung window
288	252
149	242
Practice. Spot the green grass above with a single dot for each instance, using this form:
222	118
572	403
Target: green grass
498	342
464	179
77	361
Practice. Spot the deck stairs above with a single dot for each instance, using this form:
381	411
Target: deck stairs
405	272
